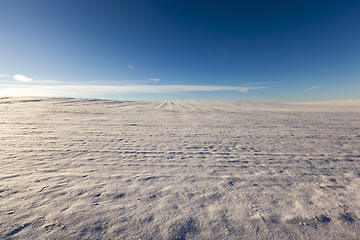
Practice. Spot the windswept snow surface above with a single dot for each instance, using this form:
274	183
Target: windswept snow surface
99	169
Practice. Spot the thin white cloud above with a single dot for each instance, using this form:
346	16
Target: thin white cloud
314	87
154	79
131	67
4	75
48	81
22	78
101	90
259	83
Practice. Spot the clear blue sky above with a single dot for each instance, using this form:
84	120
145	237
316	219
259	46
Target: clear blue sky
260	50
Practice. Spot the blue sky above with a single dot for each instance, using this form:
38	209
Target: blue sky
260	50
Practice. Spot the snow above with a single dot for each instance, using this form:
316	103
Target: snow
101	169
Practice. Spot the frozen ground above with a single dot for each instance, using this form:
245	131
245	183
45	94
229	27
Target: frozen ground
94	169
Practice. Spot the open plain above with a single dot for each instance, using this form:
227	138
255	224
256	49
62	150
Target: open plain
102	169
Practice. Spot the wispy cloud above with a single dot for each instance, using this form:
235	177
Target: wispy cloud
259	83
25	79
22	78
103	90
154	79
131	67
49	81
314	87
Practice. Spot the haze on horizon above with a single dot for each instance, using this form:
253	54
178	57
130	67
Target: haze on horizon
271	51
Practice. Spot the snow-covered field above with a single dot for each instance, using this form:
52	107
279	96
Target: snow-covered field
99	169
